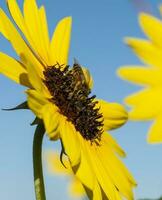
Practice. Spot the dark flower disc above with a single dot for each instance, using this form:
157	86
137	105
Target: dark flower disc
71	94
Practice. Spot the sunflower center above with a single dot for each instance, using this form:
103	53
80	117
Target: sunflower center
71	94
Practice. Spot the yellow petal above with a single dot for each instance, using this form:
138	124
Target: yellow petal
114	114
16	15
21	48
141	75
146	51
152	28
42	48
51	118
84	171
13	70
70	142
36	102
44	30
114	168
36	81
155	132
146	104
141	113
3	29
100	172
110	141
97	192
27	28
137	97
61	41
34	78
33	20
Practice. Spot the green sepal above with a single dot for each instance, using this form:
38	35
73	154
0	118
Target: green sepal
62	153
23	105
36	121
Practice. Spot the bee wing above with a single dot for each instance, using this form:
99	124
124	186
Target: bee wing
76	62
80	73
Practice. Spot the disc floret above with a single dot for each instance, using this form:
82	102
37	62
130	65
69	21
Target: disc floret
71	94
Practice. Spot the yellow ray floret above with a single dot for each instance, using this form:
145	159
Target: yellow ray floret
60	96
147	103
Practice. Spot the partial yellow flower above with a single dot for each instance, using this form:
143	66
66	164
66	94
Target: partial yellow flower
55	166
147	103
60	96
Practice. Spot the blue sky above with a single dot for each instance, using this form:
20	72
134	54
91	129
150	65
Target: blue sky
97	42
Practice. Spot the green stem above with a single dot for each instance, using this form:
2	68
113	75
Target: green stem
37	162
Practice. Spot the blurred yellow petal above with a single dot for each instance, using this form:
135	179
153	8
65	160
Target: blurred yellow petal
137	98
152	28
146	104
55	166
141	75
75	188
155	132
61	41
114	114
146	51
13	70
160	8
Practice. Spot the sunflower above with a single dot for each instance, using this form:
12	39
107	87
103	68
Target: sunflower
60	96
147	103
55	167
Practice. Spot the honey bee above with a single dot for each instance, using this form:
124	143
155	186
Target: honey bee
78	73
80	86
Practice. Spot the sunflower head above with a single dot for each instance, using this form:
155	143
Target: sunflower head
60	96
